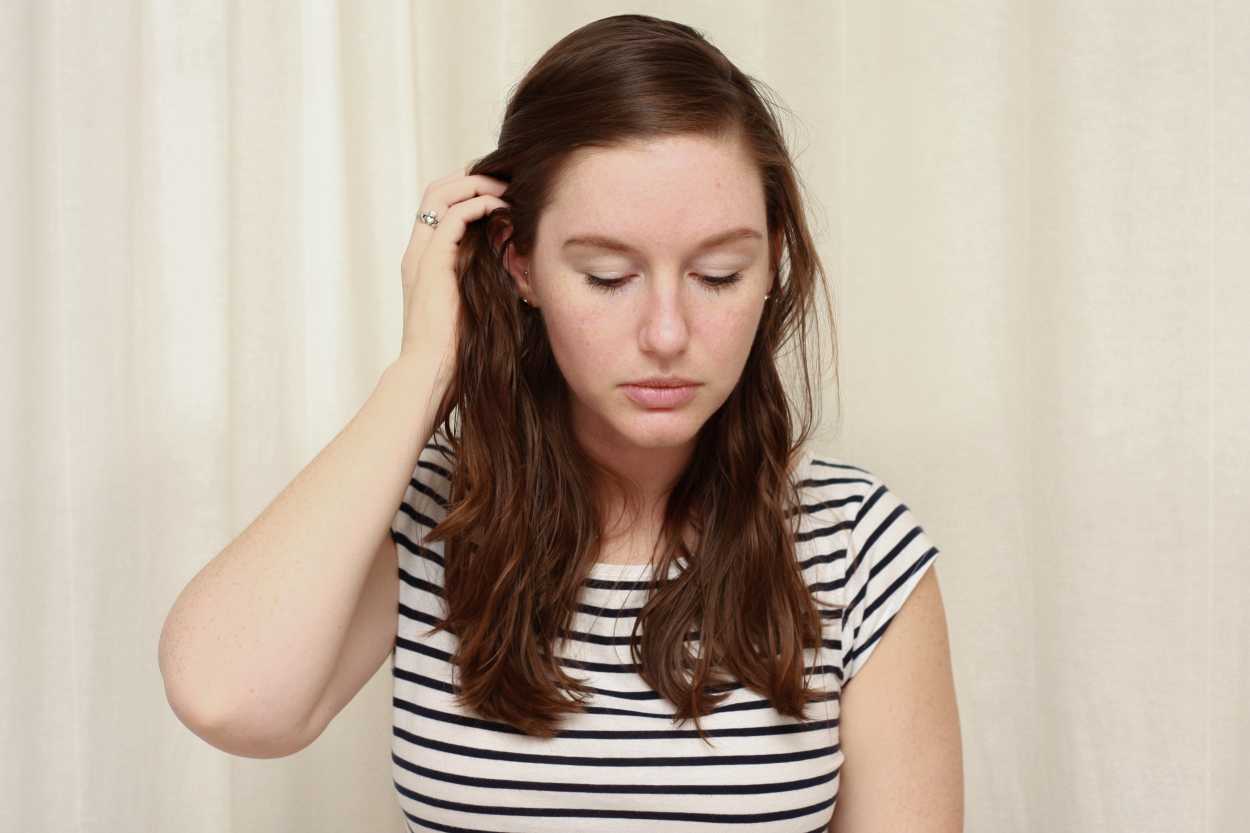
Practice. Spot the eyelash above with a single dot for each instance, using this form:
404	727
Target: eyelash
715	283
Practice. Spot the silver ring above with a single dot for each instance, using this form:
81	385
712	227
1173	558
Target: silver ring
430	218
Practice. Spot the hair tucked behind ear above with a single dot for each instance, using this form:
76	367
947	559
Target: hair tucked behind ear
522	529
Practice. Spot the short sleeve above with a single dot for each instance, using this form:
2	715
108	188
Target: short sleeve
423	507
889	554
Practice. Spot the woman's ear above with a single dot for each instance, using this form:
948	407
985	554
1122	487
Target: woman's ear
515	265
500	229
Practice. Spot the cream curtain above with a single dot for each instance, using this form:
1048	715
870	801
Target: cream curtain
1036	217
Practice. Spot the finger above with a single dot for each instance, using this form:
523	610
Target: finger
447	177
451	228
444	196
463	188
453	175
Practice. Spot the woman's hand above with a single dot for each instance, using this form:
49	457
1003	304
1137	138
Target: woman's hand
428	268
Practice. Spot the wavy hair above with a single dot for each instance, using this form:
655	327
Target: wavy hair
522	529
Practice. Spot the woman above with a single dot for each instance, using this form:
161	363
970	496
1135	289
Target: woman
629	596
649	197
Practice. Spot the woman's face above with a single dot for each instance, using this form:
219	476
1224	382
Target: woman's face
661	201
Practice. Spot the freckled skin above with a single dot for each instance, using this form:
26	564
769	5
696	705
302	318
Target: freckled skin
662	197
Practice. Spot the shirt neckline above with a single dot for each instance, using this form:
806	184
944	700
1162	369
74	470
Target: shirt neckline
609	570
604	569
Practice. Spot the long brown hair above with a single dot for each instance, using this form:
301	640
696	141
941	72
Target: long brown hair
522	527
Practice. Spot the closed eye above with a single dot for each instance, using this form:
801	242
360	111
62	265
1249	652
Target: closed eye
716	283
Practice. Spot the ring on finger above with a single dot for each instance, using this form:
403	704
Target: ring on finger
430	218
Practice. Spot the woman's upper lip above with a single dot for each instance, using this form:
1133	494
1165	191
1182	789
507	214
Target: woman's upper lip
663	382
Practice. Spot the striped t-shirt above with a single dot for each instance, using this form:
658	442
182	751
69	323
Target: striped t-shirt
623	765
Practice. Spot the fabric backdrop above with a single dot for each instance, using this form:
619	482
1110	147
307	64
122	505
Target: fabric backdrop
1036	218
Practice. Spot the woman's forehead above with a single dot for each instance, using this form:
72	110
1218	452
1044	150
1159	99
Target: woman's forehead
677	192
675	161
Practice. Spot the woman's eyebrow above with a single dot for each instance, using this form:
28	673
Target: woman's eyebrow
598	241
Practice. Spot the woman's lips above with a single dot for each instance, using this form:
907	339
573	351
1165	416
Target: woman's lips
660	397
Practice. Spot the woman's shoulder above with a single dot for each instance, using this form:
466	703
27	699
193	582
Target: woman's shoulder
831	492
822	471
